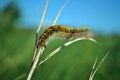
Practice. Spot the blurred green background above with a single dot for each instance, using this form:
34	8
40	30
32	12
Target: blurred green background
72	63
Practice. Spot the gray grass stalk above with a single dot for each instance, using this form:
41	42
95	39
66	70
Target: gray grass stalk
94	70
36	57
65	45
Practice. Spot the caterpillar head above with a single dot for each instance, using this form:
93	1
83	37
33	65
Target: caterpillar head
42	44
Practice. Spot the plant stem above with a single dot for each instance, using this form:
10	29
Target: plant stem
35	63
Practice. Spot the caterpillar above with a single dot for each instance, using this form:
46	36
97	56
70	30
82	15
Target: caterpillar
63	32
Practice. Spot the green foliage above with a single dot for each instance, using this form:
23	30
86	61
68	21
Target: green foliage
7	18
12	11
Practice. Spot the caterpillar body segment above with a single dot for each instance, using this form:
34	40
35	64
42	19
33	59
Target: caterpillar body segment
63	32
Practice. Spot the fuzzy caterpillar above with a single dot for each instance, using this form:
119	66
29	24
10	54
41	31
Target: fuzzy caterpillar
63	32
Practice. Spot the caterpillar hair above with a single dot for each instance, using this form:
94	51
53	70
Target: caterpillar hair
63	32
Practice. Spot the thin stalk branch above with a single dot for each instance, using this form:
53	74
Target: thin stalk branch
38	30
35	63
37	56
93	73
58	14
94	65
61	47
43	15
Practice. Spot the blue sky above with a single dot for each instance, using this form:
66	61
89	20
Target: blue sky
100	15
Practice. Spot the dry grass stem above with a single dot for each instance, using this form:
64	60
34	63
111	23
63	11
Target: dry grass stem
93	68
54	22
37	56
35	63
94	72
39	27
65	45
95	41
43	15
